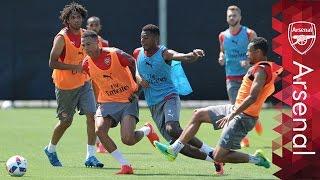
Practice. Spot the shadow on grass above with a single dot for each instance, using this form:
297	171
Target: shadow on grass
138	153
264	147
189	175
104	168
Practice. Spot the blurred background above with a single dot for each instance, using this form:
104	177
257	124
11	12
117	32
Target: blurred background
28	29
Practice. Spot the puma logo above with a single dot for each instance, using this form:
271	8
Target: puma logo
149	64
235	42
107	76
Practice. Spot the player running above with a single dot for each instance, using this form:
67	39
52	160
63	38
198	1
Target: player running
114	73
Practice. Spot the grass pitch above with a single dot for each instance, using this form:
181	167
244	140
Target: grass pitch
27	131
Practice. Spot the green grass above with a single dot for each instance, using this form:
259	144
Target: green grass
27	131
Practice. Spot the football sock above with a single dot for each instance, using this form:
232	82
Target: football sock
91	151
177	146
145	129
51	148
118	156
206	148
254	159
208	158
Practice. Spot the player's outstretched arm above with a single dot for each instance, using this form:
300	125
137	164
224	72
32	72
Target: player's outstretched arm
56	51
190	57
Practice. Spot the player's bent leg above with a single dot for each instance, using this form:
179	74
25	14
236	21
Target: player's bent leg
102	128
193	152
220	154
229	156
173	129
199	116
128	134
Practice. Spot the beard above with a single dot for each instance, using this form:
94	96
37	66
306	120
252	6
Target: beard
234	24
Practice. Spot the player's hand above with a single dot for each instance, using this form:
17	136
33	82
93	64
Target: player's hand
78	69
221	59
245	64
143	83
197	53
225	120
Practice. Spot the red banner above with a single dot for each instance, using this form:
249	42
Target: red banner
297	150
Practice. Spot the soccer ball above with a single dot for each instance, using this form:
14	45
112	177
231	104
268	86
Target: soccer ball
16	166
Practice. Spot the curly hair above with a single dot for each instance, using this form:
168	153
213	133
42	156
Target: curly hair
69	8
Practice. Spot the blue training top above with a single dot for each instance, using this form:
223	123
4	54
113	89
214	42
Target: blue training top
160	77
235	49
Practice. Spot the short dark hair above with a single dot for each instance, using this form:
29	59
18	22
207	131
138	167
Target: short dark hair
153	29
89	33
93	18
260	43
69	8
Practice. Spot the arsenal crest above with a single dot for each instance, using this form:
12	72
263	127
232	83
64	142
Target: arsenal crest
302	35
107	60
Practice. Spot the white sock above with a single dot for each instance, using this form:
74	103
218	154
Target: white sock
118	156
91	151
254	159
206	148
208	158
177	146
51	148
145	129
